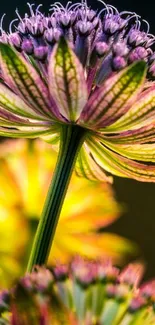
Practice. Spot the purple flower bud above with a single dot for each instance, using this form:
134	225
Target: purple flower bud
61	272
136	37
101	48
27	46
15	39
40	53
139	53
91	15
107	272
148	290
110	25
36	29
137	303
52	35
120	49
84	28
119	63
65	20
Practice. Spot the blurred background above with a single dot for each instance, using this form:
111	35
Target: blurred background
136	199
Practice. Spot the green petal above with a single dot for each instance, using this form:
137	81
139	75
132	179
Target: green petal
22	77
25	132
139	152
141	113
14	104
142	135
119	165
114	98
88	168
66	81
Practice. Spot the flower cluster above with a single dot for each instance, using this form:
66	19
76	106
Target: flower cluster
118	38
93	71
84	292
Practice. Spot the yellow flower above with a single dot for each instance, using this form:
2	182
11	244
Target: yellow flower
26	170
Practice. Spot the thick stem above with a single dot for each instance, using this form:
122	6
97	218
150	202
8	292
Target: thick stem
71	140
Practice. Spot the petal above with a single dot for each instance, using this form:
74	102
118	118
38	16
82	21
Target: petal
25	132
24	79
52	138
88	168
140	152
66	81
142	135
13	103
114	98
141	113
119	165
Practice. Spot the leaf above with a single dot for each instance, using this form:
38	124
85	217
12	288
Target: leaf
88	168
22	77
113	99
141	113
119	165
66	81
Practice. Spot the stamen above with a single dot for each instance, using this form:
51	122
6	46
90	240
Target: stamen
147	24
38	11
59	4
116	11
30	7
1	24
18	15
138	24
11	24
75	6
134	16
105	9
126	13
67	5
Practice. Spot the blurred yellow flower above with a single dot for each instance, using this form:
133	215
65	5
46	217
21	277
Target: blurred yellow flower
26	169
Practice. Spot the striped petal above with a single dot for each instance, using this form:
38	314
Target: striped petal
142	135
88	168
114	98
139	152
67	82
141	113
23	78
25	132
14	104
119	165
15	121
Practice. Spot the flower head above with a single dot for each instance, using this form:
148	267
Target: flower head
27	166
77	66
83	292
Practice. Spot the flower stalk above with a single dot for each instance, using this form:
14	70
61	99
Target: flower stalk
72	138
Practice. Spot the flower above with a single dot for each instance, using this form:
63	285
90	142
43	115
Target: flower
80	67
27	166
83	292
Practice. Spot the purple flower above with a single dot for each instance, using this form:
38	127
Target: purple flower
77	66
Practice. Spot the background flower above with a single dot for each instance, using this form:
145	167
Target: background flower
83	292
26	168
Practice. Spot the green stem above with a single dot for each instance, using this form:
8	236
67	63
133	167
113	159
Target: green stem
71	140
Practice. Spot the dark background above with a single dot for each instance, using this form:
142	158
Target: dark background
138	222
